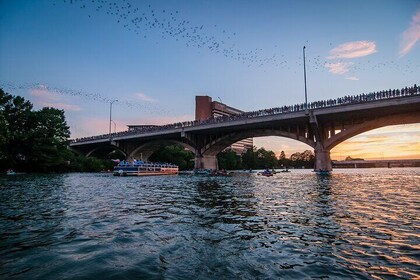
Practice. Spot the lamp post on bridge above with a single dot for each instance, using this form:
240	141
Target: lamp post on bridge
304	77
115	126
110	116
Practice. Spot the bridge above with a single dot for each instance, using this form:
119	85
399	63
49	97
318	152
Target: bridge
322	125
377	163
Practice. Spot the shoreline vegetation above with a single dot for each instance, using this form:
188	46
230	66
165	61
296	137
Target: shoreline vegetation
36	141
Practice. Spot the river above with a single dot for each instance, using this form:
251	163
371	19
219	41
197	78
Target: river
354	224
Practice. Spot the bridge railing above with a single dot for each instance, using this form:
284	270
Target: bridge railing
348	99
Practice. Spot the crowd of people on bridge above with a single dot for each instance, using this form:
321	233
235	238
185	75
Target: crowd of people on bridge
354	99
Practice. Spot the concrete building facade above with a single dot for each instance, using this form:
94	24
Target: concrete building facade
206	108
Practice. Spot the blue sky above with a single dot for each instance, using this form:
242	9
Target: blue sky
155	56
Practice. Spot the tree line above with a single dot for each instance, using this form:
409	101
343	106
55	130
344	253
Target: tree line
37	140
228	159
261	159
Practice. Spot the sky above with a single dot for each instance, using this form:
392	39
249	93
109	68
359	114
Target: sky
154	57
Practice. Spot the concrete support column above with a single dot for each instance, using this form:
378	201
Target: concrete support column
322	159
205	162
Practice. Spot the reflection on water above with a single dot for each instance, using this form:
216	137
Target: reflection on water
353	224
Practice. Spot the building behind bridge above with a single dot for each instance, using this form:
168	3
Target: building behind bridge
206	109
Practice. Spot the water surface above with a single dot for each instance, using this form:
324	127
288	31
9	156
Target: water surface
355	224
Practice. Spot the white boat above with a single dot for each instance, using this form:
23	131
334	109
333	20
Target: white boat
144	168
10	172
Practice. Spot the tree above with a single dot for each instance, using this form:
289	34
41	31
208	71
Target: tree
176	155
305	159
259	159
249	158
229	160
282	155
4	134
32	140
49	140
266	159
17	128
283	161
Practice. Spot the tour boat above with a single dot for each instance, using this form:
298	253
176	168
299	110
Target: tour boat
10	172
144	168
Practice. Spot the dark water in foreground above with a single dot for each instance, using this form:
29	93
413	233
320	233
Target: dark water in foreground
354	224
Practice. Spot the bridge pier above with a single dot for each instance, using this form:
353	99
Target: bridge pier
322	159
205	162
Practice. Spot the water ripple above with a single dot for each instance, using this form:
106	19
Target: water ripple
355	224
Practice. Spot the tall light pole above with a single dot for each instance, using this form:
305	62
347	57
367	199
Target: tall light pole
115	126
304	77
110	116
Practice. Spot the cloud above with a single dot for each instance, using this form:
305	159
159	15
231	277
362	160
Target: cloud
144	97
401	141
410	37
339	68
353	50
42	92
43	97
352	78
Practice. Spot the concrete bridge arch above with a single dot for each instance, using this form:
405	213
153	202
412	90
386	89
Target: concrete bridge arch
145	150
366	126
221	143
328	139
89	152
207	156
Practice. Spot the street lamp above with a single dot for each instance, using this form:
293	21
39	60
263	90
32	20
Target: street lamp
110	116
115	127
304	77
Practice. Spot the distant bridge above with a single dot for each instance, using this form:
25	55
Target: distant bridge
376	163
323	125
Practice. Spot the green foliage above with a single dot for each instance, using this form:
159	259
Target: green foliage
17	129
88	164
229	160
249	158
176	155
305	159
4	134
283	161
260	159
49	141
36	141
